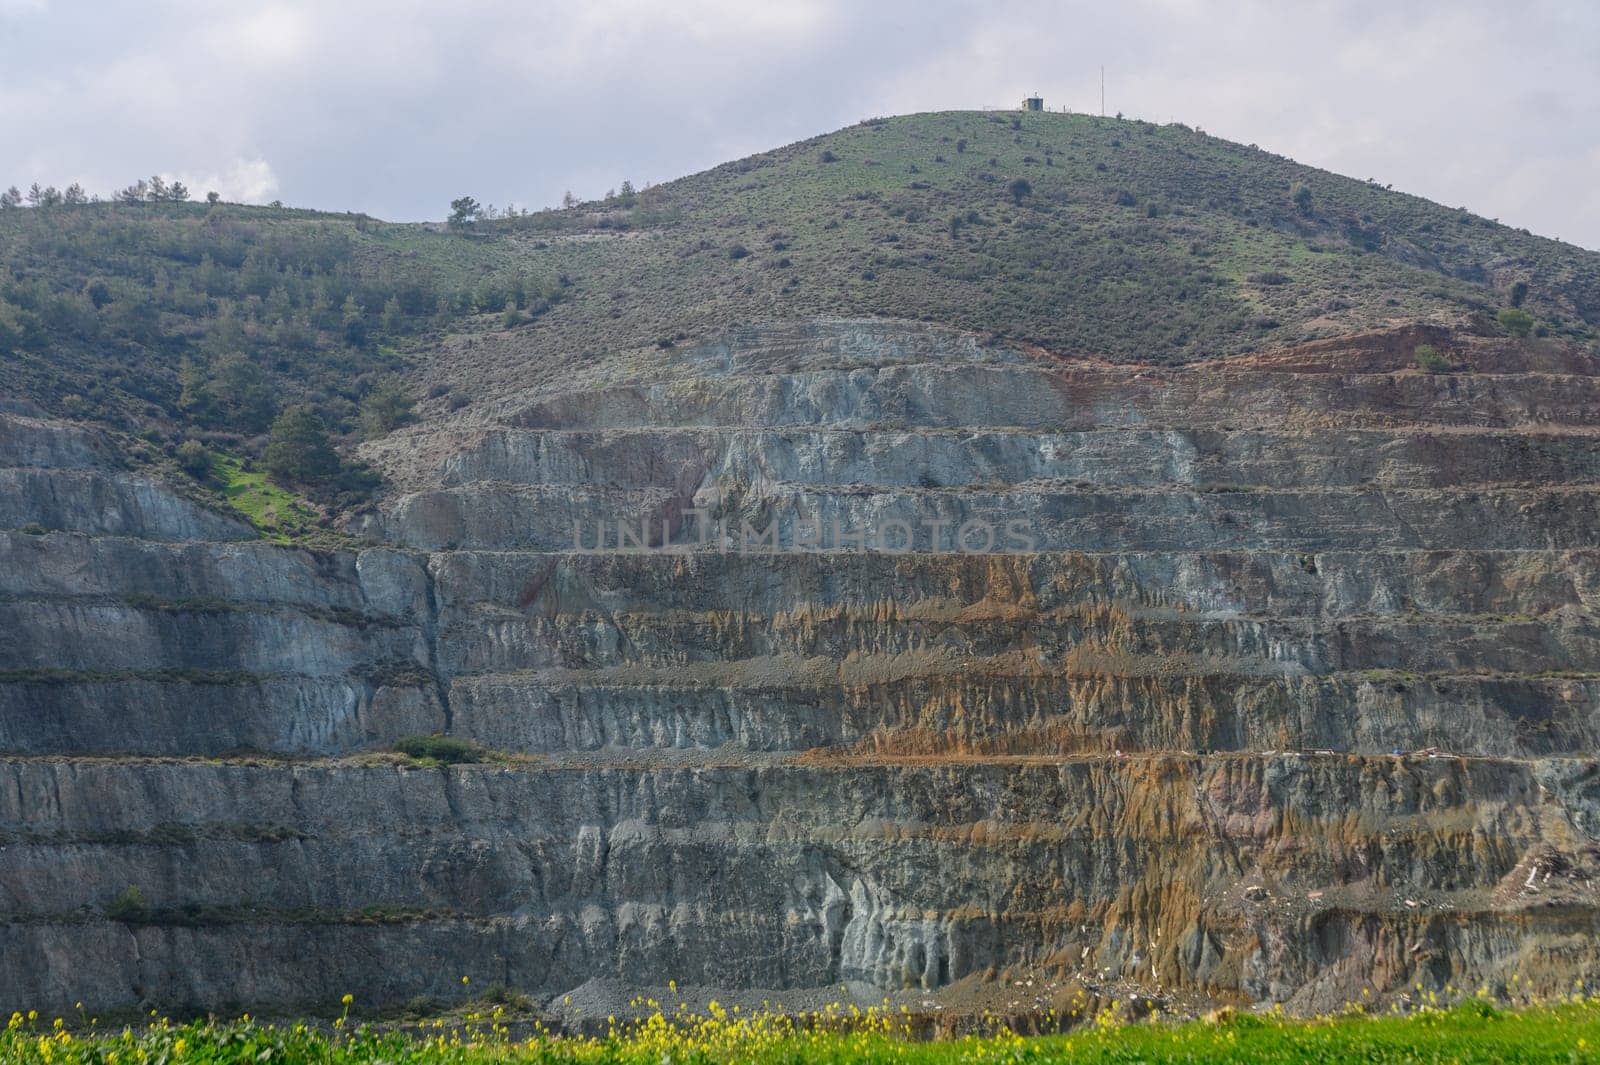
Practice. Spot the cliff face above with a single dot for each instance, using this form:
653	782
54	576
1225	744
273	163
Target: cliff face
1152	751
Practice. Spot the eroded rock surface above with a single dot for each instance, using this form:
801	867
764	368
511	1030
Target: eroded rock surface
1154	750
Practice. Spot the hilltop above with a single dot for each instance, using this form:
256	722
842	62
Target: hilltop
1126	241
1091	238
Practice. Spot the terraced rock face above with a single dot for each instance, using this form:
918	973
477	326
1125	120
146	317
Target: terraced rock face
1152	747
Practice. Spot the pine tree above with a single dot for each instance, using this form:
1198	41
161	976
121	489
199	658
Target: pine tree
299	450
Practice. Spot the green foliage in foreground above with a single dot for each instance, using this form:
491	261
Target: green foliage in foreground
1474	1031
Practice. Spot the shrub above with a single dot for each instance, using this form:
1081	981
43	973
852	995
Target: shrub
738	251
421	1005
827	156
1301	195
387	407
500	995
1429	360
129	907
440	749
1020	190
1514	320
194	459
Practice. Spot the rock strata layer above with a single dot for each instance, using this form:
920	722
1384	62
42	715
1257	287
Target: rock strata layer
1152	749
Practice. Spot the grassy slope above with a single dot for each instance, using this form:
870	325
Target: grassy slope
276	513
1137	242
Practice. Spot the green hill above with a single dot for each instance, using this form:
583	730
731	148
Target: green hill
1091	237
1128	240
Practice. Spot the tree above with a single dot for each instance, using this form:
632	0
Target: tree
464	212
394	316
234	392
1020	190
354	322
75	195
1301	195
10	198
156	190
178	192
385	408
213	198
299	450
1517	322
98	291
138	192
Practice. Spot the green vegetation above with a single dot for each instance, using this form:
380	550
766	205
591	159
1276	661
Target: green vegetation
129	907
439	749
1133	241
1301	195
1430	361
177	320
1517	322
277	513
193	459
299	450
1474	1031
387	406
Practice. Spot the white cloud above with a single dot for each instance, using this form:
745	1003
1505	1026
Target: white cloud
274	36
245	181
395	106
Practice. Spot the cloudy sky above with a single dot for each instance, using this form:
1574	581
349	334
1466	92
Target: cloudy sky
395	107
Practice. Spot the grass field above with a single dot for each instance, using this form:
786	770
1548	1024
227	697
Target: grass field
278	514
1472	1031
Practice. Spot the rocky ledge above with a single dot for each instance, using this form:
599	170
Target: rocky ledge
1291	694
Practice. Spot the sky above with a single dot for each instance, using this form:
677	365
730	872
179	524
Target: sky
394	108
